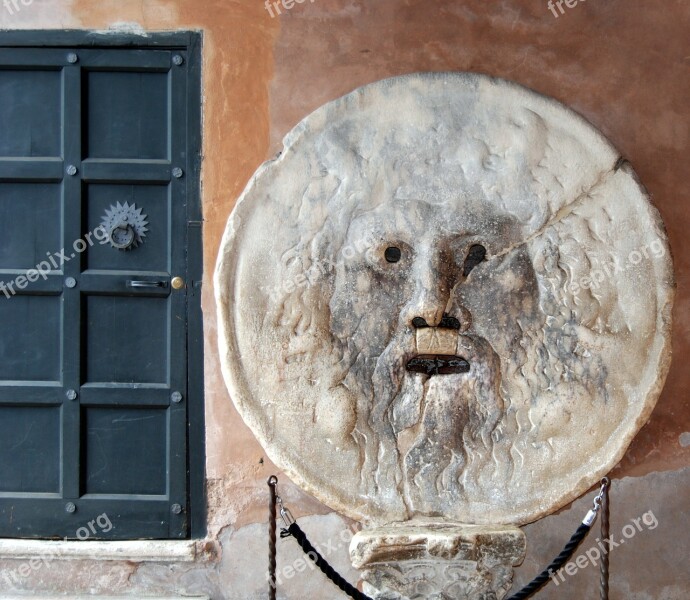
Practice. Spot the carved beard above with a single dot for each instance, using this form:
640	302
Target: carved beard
423	436
453	438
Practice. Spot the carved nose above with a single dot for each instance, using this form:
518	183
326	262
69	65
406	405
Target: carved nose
429	313
428	305
435	273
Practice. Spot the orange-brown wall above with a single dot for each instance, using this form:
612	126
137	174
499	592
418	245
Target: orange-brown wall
623	64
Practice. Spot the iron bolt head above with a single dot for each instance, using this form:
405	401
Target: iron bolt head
177	59
71	170
176	397
70	507
177	172
71	394
72	58
176	509
70	282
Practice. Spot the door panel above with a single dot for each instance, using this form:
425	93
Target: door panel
93	355
30	339
125	451
127	115
30	217
127	339
30	448
30	119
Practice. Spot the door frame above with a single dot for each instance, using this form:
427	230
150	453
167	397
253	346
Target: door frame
191	43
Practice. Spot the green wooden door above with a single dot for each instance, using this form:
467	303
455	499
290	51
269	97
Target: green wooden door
94	179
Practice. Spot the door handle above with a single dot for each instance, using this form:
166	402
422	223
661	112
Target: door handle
147	284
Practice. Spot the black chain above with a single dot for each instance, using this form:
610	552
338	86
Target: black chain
272	482
604	564
295	531
536	584
600	502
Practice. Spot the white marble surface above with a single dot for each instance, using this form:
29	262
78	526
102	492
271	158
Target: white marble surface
565	324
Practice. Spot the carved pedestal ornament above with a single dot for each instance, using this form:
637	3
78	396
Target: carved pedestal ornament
445	311
437	561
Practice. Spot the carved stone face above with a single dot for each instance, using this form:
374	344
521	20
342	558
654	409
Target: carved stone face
405	317
427	379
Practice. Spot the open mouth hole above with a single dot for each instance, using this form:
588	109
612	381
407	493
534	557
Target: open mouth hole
437	364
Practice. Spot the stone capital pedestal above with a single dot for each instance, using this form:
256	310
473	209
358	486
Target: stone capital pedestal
437	560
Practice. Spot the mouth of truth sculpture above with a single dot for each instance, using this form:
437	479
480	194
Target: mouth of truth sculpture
412	313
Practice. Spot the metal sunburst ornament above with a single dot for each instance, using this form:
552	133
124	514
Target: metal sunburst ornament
125	225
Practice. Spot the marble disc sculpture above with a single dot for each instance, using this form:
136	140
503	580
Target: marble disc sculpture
448	297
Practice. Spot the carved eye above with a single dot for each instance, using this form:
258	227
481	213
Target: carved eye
476	254
392	254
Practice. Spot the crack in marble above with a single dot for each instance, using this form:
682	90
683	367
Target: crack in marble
564	211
